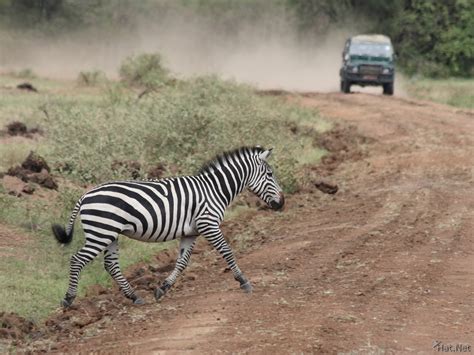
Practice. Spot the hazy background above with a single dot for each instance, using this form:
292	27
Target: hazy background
261	45
288	44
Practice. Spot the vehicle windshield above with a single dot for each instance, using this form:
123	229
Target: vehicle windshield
371	49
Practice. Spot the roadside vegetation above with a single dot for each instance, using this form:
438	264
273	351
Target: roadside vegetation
118	130
454	91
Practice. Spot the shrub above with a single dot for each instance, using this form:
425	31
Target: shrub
183	126
144	70
91	78
26	74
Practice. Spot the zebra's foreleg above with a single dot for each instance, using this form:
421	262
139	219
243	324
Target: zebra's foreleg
88	252
112	266
214	235
186	246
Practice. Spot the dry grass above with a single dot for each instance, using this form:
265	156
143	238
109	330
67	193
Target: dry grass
455	92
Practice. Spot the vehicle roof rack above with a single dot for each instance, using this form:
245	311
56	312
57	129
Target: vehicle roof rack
371	38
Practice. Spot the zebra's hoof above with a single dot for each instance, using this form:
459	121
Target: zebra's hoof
66	303
247	287
138	301
159	293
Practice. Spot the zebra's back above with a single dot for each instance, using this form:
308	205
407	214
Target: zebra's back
144	210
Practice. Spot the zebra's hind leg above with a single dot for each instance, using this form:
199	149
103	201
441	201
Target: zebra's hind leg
112	266
211	231
85	255
186	246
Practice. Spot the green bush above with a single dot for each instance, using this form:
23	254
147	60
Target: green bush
91	78
24	74
182	126
435	38
145	70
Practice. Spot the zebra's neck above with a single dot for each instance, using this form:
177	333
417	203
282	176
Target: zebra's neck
226	182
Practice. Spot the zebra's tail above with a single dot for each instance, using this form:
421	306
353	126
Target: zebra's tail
64	235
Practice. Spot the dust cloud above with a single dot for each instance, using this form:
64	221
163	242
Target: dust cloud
267	54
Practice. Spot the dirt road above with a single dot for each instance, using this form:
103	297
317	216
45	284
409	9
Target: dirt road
386	264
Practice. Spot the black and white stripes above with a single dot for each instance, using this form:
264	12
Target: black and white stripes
157	211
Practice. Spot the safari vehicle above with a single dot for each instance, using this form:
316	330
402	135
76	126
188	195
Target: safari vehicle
368	60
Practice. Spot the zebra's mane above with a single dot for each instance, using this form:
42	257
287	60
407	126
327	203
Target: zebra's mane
219	159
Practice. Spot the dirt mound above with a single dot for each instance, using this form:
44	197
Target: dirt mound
15	186
19	172
34	169
35	163
157	172
12	326
129	167
17	128
342	143
44	179
27	86
343	139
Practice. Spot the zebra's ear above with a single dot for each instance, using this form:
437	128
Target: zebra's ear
266	154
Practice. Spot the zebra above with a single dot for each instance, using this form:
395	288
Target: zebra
161	210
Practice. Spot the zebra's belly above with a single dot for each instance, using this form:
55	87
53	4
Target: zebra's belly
188	229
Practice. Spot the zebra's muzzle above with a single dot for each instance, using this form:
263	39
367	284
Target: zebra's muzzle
278	205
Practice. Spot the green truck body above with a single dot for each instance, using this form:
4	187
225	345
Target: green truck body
368	60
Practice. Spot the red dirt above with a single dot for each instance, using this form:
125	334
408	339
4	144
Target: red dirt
384	265
13	327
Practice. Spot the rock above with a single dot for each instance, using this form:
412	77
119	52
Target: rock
19	172
28	189
13	185
326	187
44	179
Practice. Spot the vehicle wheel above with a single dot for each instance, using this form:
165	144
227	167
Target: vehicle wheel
388	89
345	86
